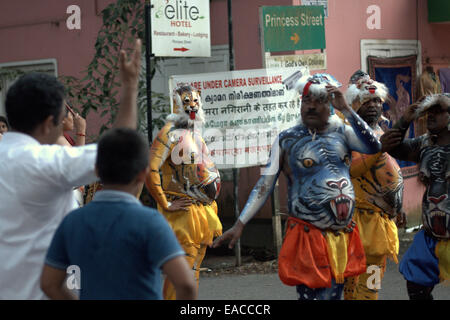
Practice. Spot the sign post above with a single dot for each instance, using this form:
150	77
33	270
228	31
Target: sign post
181	28
290	28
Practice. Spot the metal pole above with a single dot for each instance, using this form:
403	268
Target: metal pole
275	199
235	171
148	78
148	63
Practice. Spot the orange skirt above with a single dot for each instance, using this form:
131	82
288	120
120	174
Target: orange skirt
311	258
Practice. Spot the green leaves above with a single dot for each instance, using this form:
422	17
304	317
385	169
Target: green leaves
98	90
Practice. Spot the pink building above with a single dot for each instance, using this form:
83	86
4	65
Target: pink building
34	33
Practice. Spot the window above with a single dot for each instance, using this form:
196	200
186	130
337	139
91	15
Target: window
48	66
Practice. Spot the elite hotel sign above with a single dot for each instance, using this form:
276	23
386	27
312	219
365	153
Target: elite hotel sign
290	28
181	28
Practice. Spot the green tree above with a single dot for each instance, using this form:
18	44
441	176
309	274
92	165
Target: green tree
98	90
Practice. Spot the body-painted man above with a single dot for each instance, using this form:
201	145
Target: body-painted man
427	261
322	245
189	182
378	185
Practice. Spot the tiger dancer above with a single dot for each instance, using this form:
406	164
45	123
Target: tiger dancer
189	182
322	245
378	185
426	263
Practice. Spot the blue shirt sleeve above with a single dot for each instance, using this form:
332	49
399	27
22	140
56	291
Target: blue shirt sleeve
57	254
162	243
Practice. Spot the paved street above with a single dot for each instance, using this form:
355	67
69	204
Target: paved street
269	286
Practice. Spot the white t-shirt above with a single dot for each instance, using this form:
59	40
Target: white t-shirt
36	192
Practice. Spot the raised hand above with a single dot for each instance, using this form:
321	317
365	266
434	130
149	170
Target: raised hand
79	123
130	68
391	139
129	75
410	112
337	98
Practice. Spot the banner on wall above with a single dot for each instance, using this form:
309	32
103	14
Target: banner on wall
314	61
399	76
245	111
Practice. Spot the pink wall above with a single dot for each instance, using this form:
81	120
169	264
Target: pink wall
32	30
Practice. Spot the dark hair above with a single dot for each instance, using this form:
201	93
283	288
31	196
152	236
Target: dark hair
357	75
32	99
5	121
122	154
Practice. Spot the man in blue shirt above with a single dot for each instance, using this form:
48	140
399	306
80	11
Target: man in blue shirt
116	246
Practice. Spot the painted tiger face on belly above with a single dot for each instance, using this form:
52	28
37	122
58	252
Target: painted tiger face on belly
320	190
435	173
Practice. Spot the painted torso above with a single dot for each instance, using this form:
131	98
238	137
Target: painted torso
316	166
377	181
317	169
434	171
187	168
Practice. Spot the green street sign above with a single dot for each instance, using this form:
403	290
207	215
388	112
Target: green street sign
289	28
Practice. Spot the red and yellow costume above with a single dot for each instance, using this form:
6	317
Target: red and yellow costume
180	167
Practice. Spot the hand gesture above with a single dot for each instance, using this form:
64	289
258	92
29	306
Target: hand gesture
129	70
180	204
336	98
401	220
233	234
410	112
390	140
79	124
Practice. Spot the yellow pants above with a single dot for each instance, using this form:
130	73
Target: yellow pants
380	240
194	229
194	257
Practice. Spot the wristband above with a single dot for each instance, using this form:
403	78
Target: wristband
81	134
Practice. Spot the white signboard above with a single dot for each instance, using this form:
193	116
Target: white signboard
245	111
314	61
323	3
180	28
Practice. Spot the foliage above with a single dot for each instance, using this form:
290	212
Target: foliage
7	74
99	89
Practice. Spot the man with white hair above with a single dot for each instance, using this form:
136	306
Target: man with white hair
322	245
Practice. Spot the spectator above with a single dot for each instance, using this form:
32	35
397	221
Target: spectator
120	245
4	127
37	177
72	121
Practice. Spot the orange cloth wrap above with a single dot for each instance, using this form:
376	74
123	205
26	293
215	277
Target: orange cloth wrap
311	258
